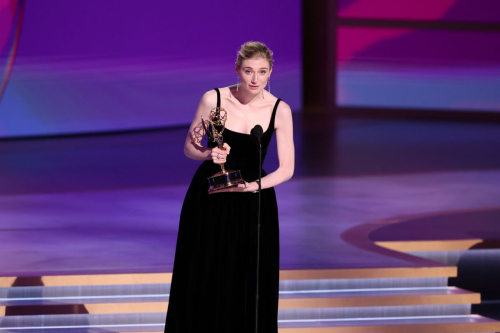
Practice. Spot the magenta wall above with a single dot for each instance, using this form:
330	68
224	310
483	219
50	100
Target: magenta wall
446	66
431	10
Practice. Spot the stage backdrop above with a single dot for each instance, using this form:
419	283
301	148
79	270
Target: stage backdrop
426	54
92	65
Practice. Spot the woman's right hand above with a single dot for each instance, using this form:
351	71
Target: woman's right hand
219	155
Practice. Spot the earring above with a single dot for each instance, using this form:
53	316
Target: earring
269	84
238	84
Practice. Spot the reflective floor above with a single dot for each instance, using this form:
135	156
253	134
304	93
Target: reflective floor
111	203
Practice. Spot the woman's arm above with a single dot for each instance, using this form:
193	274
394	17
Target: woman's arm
193	147
286	154
286	148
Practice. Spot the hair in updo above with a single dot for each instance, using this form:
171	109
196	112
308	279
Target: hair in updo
252	50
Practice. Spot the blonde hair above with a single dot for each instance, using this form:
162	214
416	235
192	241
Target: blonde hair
252	50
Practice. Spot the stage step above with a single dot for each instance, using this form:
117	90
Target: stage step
154	322
140	293
346	302
427	324
382	297
443	271
154	297
372	312
158	292
357	284
133	322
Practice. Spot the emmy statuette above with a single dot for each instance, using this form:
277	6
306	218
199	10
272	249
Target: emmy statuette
224	178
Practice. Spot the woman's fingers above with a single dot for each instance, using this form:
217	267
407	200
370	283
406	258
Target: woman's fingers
219	155
216	152
239	188
227	147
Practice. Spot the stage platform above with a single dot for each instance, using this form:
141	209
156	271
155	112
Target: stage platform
367	197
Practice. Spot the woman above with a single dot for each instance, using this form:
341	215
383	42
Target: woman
214	276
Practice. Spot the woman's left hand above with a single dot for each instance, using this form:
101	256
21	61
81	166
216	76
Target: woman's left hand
246	187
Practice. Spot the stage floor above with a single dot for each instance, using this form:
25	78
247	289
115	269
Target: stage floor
110	203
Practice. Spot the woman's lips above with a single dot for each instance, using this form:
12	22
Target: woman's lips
254	87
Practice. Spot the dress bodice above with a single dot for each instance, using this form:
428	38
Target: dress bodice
244	155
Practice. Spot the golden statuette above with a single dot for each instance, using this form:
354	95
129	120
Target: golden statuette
224	178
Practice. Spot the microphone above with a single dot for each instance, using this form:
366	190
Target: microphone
257	132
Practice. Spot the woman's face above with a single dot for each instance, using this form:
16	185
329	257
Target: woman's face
254	74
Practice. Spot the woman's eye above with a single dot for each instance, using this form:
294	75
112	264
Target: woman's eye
248	72
263	72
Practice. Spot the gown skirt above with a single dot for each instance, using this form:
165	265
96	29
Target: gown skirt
214	275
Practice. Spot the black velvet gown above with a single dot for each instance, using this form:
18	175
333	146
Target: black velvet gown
214	275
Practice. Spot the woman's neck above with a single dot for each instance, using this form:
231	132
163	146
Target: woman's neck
245	98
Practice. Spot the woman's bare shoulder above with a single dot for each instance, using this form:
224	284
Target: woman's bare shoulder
209	99
283	109
283	114
209	95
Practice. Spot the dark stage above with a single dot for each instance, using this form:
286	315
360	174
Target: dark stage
104	209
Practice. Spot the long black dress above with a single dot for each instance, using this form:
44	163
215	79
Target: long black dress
213	282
